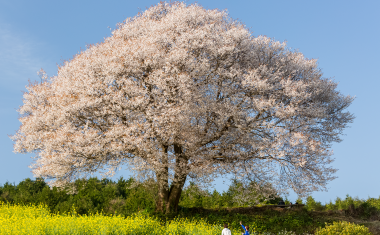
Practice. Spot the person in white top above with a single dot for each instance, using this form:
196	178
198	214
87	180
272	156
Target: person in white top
226	231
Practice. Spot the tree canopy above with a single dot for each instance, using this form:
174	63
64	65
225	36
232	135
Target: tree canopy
180	91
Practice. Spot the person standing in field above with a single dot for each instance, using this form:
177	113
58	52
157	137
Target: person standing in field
226	231
246	229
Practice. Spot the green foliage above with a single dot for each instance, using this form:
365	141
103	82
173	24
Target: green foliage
312	205
194	196
363	209
90	196
121	197
299	201
287	202
343	227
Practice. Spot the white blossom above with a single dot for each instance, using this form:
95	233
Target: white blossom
180	90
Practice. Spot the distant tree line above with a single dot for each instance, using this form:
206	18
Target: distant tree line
85	195
127	196
124	196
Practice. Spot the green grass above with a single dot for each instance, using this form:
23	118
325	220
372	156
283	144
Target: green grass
259	219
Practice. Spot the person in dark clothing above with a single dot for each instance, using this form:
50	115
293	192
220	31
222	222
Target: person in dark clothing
246	229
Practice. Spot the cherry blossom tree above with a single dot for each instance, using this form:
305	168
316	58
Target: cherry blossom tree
180	91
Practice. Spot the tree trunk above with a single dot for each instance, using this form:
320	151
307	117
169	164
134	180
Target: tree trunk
163	193
180	174
168	198
163	184
175	195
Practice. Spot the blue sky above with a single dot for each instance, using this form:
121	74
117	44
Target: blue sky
343	35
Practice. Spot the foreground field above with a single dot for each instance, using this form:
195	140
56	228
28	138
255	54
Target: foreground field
33	220
36	220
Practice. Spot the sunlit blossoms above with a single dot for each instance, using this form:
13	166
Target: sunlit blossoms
180	91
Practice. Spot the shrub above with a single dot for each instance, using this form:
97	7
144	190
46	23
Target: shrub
364	211
331	206
343	227
312	205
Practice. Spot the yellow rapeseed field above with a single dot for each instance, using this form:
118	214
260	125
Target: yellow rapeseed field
33	220
343	228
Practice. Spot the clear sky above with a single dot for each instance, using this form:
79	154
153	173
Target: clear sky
343	35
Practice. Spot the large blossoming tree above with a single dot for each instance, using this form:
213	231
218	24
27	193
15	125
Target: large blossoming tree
180	91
